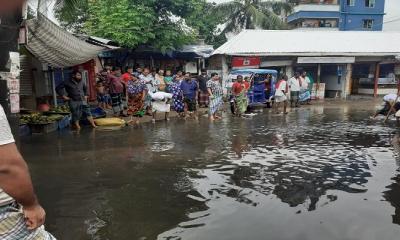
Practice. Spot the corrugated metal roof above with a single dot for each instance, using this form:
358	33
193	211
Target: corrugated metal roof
312	43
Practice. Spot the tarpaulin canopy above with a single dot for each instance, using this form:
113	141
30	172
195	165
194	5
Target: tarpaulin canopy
194	51
186	52
53	45
102	42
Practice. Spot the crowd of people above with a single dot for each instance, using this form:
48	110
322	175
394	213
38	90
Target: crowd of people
138	92
297	90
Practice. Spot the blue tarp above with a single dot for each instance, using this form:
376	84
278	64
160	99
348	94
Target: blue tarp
257	93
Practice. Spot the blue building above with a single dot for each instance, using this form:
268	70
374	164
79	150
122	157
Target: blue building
343	15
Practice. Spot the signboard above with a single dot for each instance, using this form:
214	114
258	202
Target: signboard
13	85
14	102
387	81
245	62
14	64
276	63
326	60
318	93
381	81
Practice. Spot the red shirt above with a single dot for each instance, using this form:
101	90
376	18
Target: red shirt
237	87
115	84
126	77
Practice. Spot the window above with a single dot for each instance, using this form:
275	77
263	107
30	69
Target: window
368	23
370	3
351	3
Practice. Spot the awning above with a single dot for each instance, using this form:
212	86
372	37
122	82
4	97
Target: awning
102	42
186	52
53	45
194	51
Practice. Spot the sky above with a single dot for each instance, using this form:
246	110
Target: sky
392	18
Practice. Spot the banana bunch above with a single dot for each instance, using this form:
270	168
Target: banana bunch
37	118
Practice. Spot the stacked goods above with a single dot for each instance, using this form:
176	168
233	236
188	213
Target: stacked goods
39	123
63	109
37	118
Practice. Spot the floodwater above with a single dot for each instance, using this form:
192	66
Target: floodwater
319	173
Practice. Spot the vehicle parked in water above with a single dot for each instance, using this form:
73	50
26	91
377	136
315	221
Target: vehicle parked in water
262	84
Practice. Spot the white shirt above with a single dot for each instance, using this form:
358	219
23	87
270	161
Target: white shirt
149	81
304	83
294	84
282	86
391	97
6	137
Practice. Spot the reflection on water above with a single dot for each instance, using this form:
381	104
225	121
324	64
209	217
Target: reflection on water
393	194
319	173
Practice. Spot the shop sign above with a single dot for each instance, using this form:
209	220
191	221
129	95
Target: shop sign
387	81
245	62
327	60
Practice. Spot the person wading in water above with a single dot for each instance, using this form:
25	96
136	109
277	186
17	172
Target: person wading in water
76	93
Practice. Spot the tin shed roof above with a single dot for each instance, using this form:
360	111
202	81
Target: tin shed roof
312	43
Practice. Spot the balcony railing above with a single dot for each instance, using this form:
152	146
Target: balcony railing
318	2
317	8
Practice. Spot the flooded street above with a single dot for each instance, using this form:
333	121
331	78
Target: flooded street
323	172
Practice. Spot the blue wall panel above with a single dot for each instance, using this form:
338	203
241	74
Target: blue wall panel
355	22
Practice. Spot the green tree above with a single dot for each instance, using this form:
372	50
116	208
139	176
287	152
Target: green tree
251	14
164	24
73	17
206	24
120	21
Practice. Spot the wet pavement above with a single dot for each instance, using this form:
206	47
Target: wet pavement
322	172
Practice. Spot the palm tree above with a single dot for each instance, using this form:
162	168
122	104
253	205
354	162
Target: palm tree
67	4
252	14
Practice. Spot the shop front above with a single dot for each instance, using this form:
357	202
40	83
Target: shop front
339	62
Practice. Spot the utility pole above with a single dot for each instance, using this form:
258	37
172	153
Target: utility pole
10	22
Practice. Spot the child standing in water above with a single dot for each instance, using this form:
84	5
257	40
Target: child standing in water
101	95
168	79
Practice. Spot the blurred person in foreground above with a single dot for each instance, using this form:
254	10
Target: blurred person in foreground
21	216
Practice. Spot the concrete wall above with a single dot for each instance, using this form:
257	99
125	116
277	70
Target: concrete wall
42	82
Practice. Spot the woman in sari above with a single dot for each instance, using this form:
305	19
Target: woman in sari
239	90
137	92
216	94
177	97
306	88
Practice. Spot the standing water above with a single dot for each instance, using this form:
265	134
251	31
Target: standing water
318	173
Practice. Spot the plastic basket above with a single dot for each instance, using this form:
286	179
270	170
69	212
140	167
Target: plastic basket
43	128
24	130
64	123
98	113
